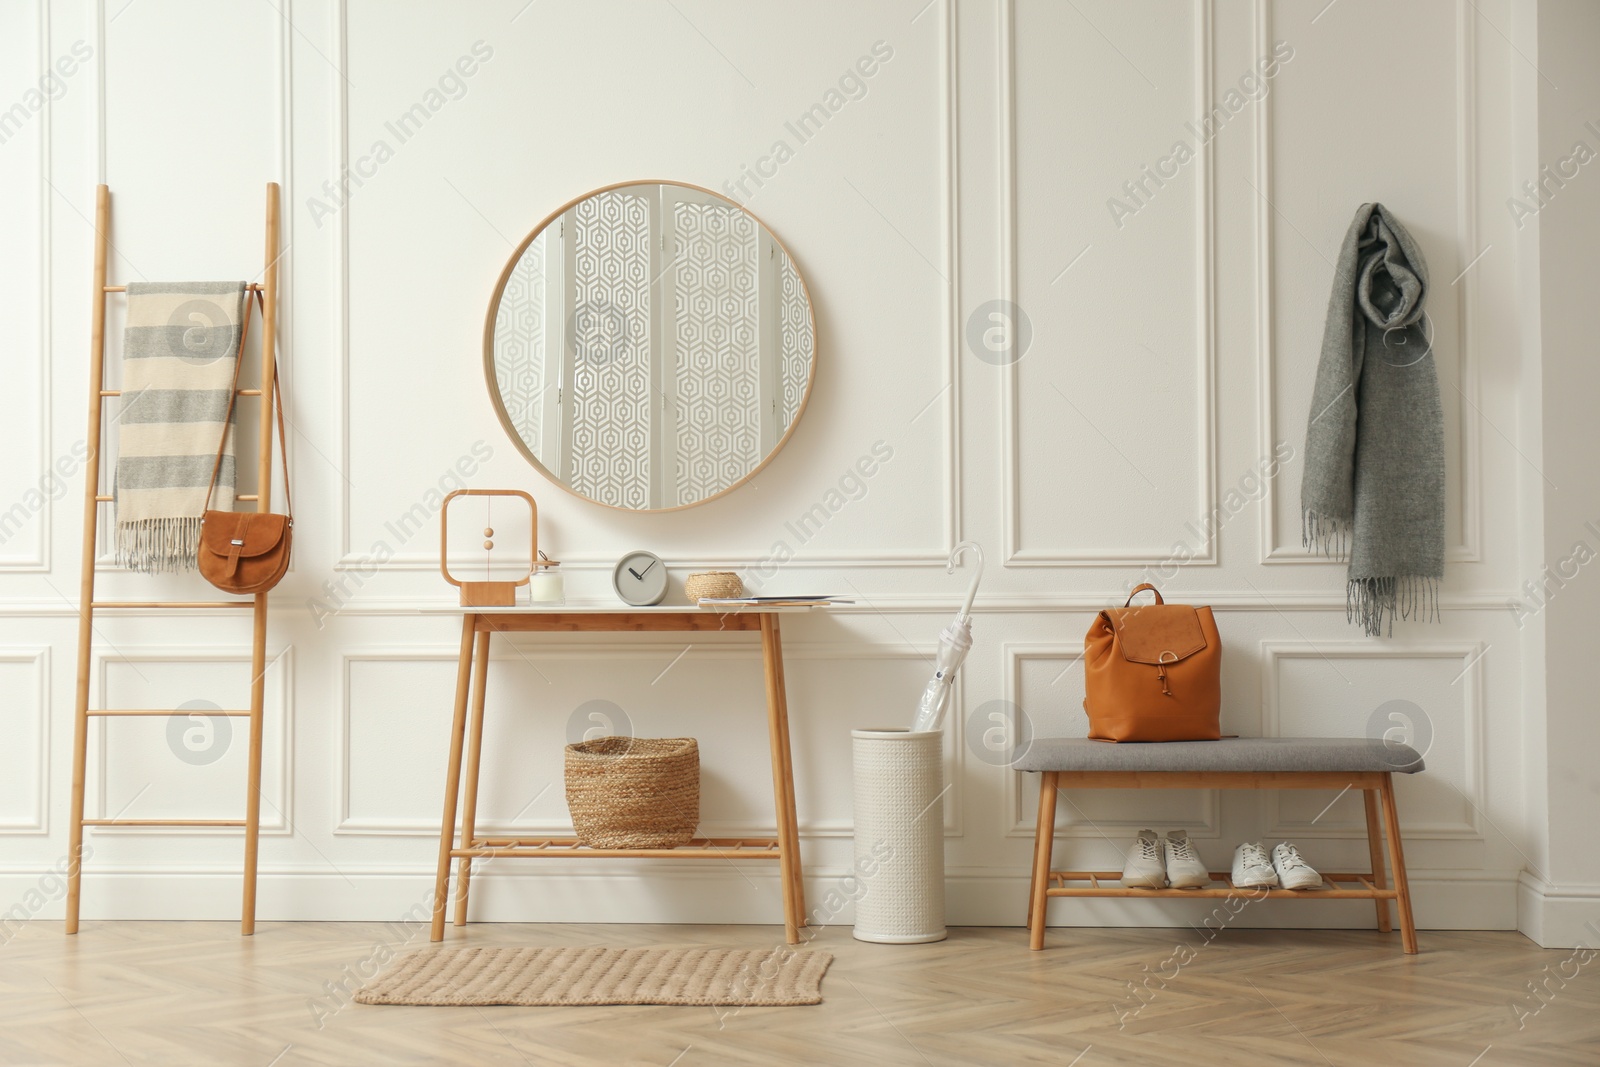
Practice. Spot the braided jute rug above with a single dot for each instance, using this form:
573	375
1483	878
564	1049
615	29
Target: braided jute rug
583	976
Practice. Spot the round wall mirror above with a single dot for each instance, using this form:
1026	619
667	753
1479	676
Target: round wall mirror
650	346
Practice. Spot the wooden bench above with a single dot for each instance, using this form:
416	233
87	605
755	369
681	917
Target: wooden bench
1367	764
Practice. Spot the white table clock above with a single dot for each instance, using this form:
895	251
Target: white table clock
640	579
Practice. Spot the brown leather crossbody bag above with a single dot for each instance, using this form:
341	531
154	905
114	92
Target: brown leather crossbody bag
1153	673
246	552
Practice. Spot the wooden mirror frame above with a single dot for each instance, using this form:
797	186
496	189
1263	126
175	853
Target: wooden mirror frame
494	309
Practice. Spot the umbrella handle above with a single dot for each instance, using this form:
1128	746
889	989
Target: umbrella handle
950	568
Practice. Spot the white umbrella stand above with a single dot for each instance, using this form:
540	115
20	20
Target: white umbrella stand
899	836
899	817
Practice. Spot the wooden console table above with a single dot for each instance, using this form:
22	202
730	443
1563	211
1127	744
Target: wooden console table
479	624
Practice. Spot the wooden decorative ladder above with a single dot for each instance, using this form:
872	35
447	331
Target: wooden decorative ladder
87	605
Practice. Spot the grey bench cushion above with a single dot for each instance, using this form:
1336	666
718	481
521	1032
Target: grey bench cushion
1229	754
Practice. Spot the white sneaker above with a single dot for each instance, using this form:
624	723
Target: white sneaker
1252	867
1184	869
1293	872
1145	869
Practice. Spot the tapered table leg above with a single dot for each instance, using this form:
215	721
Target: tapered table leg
469	810
452	778
797	869
782	781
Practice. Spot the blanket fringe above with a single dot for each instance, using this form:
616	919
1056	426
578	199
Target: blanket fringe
1375	602
1324	534
157	546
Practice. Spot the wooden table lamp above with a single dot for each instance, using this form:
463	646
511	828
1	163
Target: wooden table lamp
488	594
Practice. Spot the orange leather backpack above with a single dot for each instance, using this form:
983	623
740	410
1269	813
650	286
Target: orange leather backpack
1153	673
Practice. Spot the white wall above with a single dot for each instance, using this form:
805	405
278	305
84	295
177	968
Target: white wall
1562	888
1172	352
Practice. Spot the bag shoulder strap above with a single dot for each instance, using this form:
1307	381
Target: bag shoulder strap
1141	587
233	397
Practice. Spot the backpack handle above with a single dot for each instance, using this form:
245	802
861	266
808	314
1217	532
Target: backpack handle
1141	587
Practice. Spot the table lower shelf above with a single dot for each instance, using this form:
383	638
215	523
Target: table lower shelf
735	848
1327	891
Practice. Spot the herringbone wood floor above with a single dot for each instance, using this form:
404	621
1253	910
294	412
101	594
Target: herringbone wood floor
196	993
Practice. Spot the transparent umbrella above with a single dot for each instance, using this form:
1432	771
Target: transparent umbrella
955	641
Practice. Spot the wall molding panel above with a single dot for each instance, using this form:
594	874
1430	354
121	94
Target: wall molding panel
1021	811
250	255
611	651
1272	427
277	794
38	560
1470	723
949	397
36	820
1015	553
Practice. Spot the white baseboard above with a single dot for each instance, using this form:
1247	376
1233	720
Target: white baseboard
701	892
1558	916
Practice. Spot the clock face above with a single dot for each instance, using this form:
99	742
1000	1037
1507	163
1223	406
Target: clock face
640	579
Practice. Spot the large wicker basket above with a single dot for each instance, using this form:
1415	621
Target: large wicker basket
634	792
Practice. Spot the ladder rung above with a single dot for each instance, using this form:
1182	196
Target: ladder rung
239	392
105	712
99	604
163	822
106	498
251	287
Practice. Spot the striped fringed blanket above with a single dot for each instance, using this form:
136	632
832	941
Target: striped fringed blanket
178	360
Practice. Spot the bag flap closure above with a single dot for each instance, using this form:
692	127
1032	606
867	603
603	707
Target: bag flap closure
1157	633
241	533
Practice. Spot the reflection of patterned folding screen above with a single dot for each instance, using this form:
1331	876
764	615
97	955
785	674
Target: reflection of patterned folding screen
651	348
609	338
519	332
795	341
718	373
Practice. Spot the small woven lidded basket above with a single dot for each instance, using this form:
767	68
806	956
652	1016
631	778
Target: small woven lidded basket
634	792
720	585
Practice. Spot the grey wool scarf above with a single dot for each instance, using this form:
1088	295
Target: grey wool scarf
178	356
1374	473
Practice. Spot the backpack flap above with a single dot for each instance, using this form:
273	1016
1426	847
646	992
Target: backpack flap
1159	633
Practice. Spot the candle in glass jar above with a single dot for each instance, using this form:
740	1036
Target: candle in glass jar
546	586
